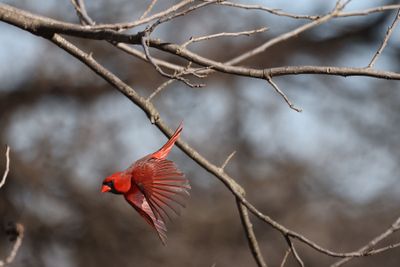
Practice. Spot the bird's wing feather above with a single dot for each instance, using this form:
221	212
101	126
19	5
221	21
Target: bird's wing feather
137	200
163	184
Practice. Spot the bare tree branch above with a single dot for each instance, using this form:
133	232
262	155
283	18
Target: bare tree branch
251	237
170	81
385	40
167	18
30	22
294	251
271	72
267	9
288	35
392	229
161	63
311	17
285	257
129	25
19	228
5	174
289	233
368	11
223	34
150	59
149	8
80	9
85	18
383	249
159	89
182	4
282	94
227	160
43	26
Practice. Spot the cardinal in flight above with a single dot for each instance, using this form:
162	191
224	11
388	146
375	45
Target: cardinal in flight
153	186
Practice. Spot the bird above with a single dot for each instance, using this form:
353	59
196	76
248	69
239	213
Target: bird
153	186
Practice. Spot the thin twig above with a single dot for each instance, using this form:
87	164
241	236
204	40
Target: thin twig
293	249
385	40
367	11
80	9
383	249
288	35
285	257
312	17
227	160
251	237
267	9
43	26
159	70
138	54
282	94
223	34
197	72
164	19
161	87
301	238
130	25
149	8
17	244
5	174
392	229
176	74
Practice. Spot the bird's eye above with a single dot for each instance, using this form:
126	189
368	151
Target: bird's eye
110	184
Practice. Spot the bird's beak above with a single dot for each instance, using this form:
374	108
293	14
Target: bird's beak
105	188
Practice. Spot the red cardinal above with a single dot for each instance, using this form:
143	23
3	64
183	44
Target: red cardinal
154	186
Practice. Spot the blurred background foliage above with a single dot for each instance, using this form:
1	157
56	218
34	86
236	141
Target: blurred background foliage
330	172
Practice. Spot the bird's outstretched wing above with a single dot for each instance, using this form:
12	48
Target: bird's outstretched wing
163	185
137	200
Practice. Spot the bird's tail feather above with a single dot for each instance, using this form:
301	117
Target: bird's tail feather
164	151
